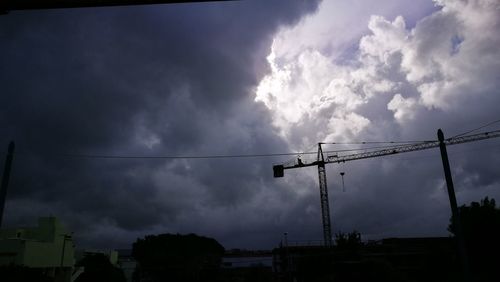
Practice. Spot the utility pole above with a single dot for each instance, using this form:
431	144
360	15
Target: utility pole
65	237
5	178
455	216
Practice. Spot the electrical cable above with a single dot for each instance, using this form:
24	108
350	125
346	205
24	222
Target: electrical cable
290	161
95	156
483	126
402	144
87	156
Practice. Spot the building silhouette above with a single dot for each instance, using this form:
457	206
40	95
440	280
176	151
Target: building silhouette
47	247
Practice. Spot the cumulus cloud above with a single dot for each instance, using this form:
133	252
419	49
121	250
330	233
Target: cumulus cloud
399	81
436	63
402	108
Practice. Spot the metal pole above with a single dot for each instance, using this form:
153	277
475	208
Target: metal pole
63	250
455	216
288	271
5	178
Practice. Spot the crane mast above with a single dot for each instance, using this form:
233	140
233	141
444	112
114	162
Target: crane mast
323	193
368	153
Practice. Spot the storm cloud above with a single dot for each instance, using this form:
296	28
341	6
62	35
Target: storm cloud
156	80
246	77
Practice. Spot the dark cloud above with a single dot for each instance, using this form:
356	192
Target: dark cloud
158	80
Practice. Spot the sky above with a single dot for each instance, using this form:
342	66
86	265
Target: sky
246	77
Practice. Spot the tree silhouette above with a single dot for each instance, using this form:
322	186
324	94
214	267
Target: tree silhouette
98	268
169	257
349	242
481	228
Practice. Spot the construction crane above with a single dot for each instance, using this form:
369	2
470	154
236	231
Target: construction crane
337	157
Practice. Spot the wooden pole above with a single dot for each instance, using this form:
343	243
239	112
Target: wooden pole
5	178
455	216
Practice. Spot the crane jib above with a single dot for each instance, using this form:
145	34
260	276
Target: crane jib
279	169
320	162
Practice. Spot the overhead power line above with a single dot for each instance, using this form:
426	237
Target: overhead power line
475	129
395	144
98	156
91	156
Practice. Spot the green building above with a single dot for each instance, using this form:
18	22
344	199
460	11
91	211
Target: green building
49	246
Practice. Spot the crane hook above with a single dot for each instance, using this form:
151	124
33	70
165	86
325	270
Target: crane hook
343	185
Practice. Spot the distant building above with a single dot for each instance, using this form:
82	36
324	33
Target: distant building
49	246
112	255
247	259
392	259
127	263
245	265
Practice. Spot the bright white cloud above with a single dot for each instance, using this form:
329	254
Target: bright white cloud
345	126
450	57
402	108
399	81
387	38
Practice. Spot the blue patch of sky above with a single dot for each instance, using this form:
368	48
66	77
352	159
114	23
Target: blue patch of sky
412	17
349	54
456	40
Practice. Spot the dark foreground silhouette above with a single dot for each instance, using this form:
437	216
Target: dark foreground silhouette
192	258
98	268
175	257
481	227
